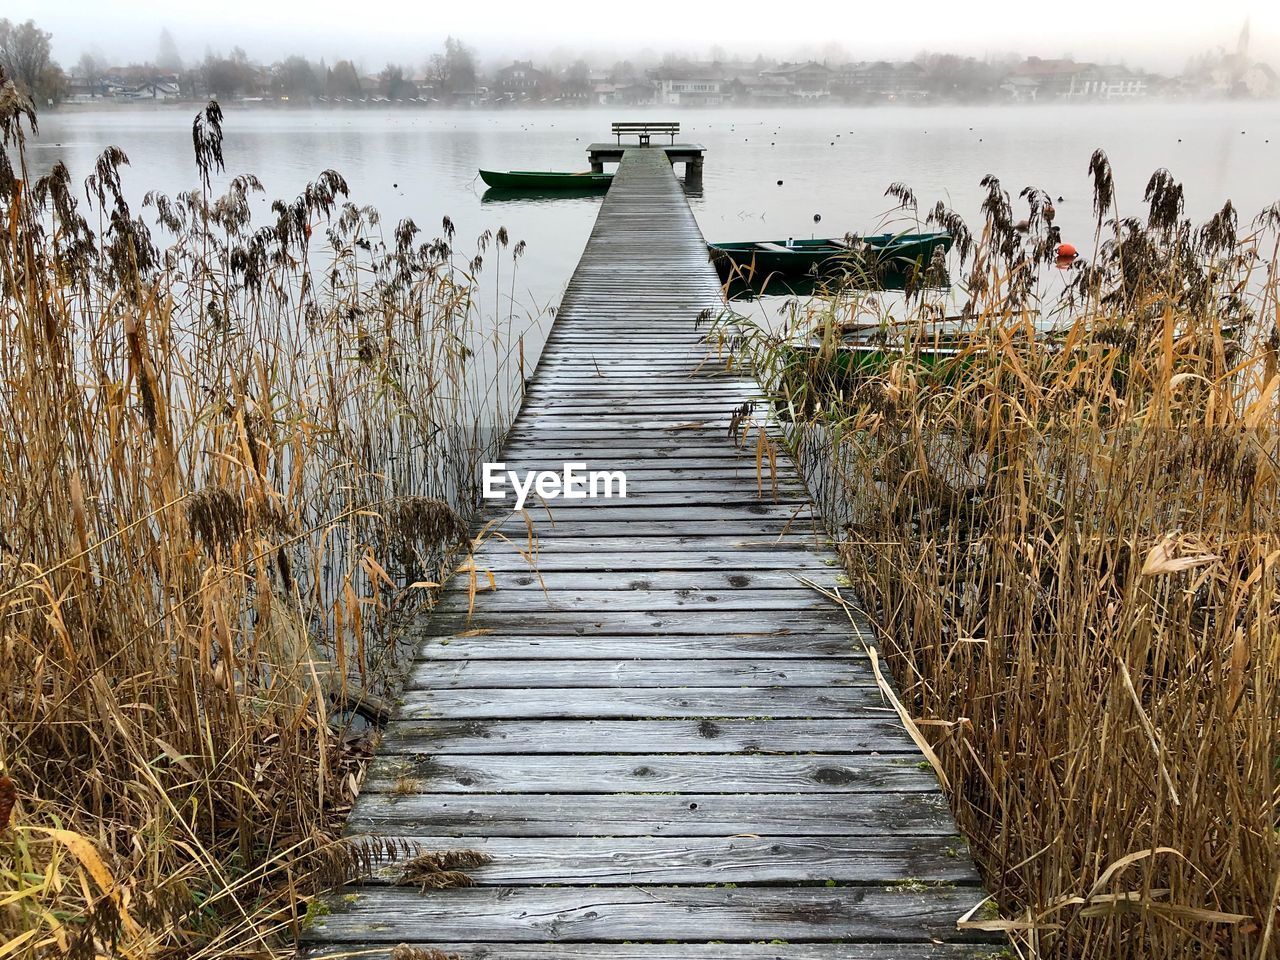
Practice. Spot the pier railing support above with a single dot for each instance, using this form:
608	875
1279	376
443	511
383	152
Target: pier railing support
693	173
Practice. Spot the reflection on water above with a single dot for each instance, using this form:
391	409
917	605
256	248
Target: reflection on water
422	165
506	195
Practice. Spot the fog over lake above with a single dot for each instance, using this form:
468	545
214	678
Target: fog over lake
834	162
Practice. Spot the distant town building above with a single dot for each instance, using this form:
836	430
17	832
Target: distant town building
520	81
161	89
679	91
802	81
1106	83
1037	79
638	94
881	80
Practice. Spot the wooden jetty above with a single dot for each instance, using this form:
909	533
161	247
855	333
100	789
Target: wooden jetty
670	745
690	155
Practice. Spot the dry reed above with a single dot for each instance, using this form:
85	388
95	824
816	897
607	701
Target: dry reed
232	459
1071	539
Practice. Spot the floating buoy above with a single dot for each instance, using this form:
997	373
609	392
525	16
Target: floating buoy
779	183
1067	252
817	218
395	186
1059	199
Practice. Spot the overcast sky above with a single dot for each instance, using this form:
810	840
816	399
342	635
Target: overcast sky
1155	35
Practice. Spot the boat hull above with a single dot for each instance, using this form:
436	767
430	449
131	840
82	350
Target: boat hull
544	181
880	254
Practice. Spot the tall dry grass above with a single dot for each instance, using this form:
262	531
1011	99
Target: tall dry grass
1071	540
234	458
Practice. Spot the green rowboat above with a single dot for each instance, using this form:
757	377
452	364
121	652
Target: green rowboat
812	375
828	257
545	180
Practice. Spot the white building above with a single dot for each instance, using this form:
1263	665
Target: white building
701	92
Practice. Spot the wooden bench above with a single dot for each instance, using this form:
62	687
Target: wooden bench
645	130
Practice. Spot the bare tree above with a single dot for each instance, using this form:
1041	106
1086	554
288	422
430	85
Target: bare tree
24	53
454	70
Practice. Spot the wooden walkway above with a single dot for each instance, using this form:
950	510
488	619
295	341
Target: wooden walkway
670	746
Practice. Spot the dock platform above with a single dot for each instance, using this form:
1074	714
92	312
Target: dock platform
665	741
691	155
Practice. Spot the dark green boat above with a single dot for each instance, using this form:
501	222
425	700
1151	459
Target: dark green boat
812	375
545	180
828	257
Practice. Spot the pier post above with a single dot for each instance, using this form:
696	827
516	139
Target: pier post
693	172
597	165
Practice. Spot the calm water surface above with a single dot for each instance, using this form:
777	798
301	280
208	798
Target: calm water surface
834	162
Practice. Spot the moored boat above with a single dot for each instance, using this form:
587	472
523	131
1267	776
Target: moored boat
828	257
545	180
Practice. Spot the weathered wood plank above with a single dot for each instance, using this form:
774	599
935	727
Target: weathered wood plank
671	554
832	736
691	647
676	951
567	914
649	773
635	674
655	814
744	578
574	703
631	622
618	510
656	601
685	860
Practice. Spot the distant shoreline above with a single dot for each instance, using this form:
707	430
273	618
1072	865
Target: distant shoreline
88	106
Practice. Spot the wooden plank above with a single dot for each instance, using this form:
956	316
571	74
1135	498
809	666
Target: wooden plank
744	578
648	773
621	510
572	703
691	647
655	814
769	526
655	601
656	555
568	914
637	674
667	860
882	734
631	622
675	951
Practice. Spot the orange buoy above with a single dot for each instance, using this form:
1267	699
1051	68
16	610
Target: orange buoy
1067	252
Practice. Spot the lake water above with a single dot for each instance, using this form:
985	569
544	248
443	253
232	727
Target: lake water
834	162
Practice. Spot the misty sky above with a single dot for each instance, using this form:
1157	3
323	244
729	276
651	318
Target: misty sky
1158	36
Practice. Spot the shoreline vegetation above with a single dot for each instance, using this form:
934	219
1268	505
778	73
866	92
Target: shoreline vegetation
456	75
239	454
1071	542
